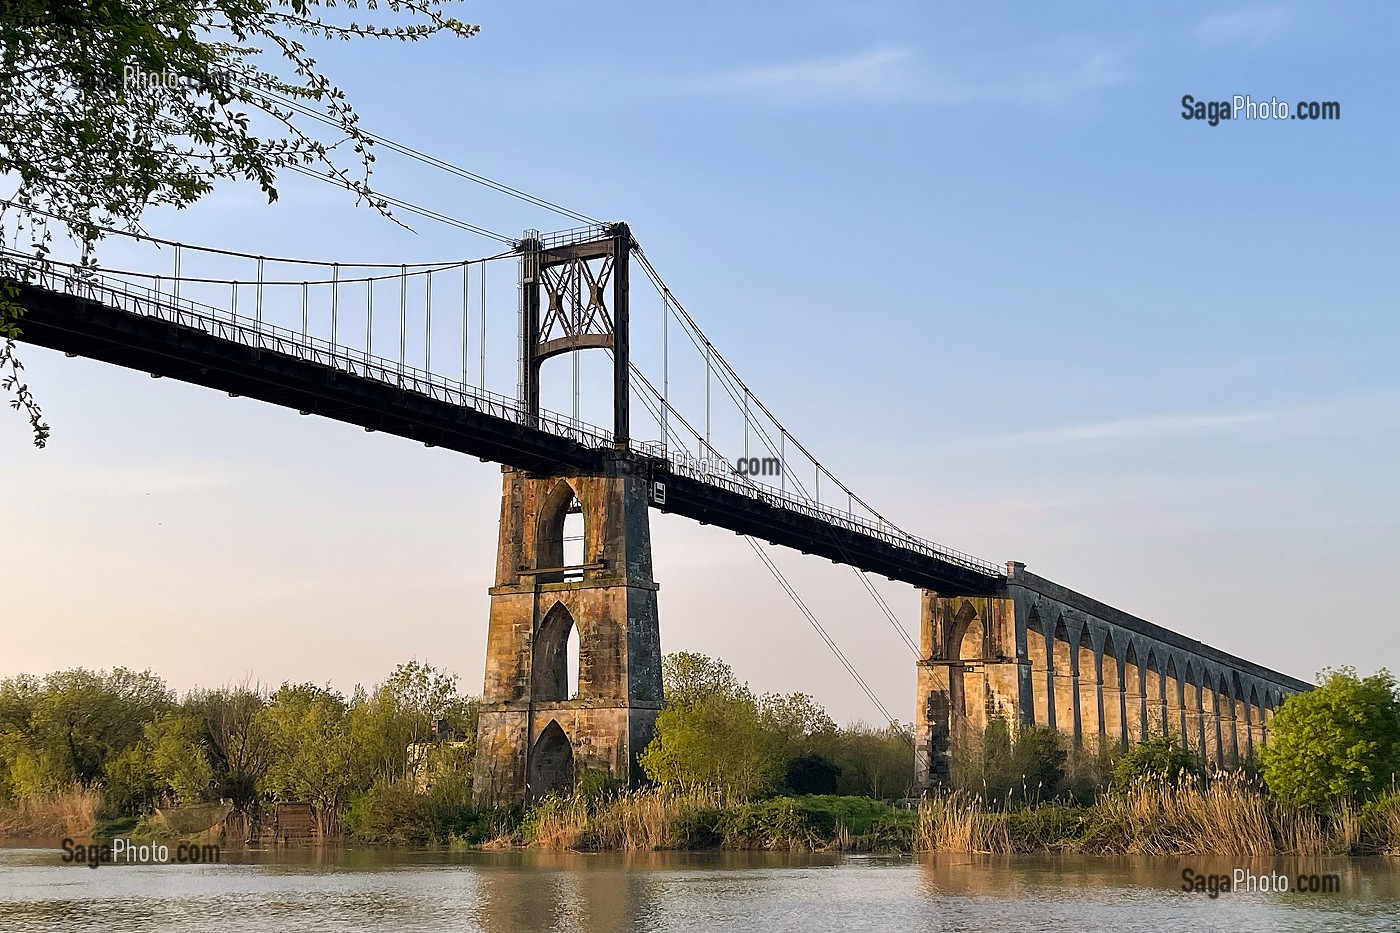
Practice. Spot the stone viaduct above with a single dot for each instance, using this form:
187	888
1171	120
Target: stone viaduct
1040	653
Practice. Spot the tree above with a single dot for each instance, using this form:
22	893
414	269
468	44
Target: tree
1025	768
174	751
811	773
402	712
688	678
711	731
64	729
794	718
875	762
313	753
109	108
239	739
716	742
1338	740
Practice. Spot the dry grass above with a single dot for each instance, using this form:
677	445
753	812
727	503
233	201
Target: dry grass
1381	824
71	814
1227	816
642	820
649	820
558	823
959	822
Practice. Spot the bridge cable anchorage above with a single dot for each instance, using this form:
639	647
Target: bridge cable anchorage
830	643
434	161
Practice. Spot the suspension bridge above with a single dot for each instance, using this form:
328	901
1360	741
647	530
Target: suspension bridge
667	424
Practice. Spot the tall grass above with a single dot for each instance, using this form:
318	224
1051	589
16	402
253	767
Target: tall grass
1227	815
653	819
1380	824
647	819
669	818
72	813
960	822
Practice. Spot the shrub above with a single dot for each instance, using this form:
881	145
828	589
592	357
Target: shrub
1157	757
391	811
811	774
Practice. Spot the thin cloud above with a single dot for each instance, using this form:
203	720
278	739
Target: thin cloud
1329	416
888	73
878	73
1248	28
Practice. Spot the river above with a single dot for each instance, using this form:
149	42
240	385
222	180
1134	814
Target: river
405	891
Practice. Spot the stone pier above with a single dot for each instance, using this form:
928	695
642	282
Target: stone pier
533	737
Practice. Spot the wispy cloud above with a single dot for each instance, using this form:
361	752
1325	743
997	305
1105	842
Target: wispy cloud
1329	415
1149	427
1249	28
896	73
879	73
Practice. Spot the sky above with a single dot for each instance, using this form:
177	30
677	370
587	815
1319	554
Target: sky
972	255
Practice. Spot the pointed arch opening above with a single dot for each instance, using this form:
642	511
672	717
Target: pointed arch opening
1088	665
1175	687
573	542
551	762
966	693
1112	691
1135	694
1066	689
1039	658
554	512
1155	691
967	634
556	673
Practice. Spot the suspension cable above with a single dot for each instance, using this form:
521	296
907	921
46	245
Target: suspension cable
434	161
830	643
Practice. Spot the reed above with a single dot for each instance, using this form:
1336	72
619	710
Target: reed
960	822
557	823
70	814
641	820
1227	815
1380	823
651	819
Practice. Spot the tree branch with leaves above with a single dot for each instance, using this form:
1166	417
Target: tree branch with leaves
111	107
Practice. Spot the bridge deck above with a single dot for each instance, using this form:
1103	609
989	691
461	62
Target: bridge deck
262	362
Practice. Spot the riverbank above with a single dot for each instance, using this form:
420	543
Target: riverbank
1225	817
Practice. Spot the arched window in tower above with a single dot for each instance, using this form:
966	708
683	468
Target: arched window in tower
573	541
571	661
555	672
550	533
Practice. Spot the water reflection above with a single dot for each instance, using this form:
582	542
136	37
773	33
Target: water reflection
404	891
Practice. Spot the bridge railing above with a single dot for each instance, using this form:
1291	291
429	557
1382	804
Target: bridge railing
148	301
849	521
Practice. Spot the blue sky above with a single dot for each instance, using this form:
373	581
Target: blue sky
972	255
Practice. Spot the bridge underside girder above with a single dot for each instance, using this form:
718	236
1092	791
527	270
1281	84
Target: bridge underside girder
150	344
97	331
743	515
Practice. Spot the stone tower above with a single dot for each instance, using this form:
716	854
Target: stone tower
533	738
